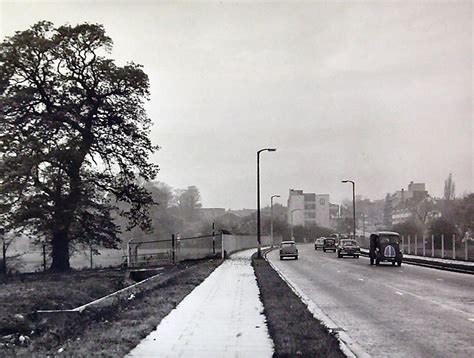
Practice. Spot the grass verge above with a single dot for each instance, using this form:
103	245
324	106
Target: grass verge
294	330
114	331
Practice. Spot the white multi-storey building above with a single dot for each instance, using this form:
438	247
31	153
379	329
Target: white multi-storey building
308	208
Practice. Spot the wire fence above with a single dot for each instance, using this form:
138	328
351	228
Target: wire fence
173	250
452	247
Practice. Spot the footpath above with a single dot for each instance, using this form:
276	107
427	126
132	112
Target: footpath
222	317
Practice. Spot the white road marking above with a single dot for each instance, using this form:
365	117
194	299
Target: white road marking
338	271
471	319
399	293
361	279
439	279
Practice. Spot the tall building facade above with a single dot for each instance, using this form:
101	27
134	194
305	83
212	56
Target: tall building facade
308	208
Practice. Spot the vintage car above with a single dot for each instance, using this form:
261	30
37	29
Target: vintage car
385	246
288	249
348	247
319	243
329	244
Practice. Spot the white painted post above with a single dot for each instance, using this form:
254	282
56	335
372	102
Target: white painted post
416	245
409	244
454	246
432	246
424	246
442	246
465	249
222	249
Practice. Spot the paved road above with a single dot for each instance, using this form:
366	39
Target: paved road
406	311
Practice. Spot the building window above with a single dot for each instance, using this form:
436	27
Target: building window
322	202
309	215
310	206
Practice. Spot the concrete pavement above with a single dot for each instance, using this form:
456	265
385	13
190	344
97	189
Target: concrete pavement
222	317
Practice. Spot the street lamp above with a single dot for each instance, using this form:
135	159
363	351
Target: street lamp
292	211
259	252
271	220
353	204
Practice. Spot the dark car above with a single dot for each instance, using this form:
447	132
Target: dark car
288	249
348	247
329	244
319	243
385	246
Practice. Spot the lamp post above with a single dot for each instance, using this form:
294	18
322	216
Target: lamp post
259	252
271	220
353	204
292	211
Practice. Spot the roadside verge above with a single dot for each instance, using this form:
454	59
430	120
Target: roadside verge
293	328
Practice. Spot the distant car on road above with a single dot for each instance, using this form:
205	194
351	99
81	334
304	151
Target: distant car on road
329	244
385	246
348	247
319	243
288	249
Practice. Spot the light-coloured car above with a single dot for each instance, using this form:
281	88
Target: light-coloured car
288	249
319	243
348	247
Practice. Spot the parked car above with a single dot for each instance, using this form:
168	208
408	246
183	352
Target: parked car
319	243
288	249
385	246
329	244
348	247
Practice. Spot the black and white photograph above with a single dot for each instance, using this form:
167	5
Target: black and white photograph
237	179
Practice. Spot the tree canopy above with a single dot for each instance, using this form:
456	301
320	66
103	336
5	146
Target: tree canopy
74	137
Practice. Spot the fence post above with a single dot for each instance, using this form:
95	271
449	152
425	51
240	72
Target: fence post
465	249
213	240
4	263
173	248
424	245
403	243
442	246
90	253
409	244
416	245
44	257
432	246
454	246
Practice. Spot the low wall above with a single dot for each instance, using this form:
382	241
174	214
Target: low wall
233	243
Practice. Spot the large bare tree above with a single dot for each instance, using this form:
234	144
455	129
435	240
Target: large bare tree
73	137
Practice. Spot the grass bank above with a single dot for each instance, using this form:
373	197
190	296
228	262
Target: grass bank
294	330
110	332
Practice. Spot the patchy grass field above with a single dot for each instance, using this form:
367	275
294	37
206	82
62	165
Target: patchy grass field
110	332
292	327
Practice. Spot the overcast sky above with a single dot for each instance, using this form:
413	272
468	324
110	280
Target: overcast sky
377	92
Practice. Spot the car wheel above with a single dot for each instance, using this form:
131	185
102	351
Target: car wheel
281	257
393	263
356	256
316	248
296	257
324	250
339	255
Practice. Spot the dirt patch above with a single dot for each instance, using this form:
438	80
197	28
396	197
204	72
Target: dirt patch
115	330
292	327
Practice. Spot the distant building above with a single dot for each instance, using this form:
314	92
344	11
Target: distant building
405	204
308	208
211	213
242	212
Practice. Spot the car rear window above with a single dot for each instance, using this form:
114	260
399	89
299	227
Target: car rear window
330	241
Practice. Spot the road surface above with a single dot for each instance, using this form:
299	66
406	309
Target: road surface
406	311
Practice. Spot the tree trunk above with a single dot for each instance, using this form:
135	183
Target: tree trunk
60	253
